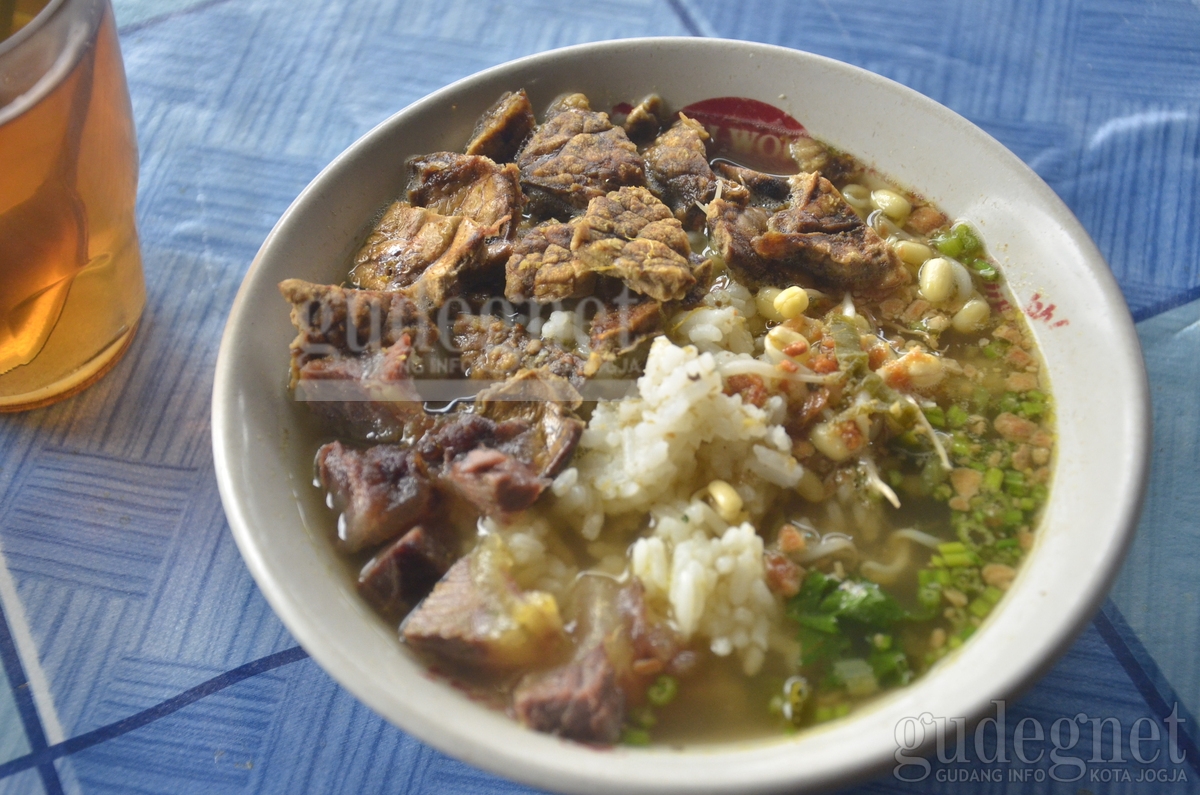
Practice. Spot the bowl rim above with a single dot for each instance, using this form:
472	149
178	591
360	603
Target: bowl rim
570	767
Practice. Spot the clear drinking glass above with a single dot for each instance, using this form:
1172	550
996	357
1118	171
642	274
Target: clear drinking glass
71	286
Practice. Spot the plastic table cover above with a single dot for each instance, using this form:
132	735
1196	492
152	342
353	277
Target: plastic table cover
139	655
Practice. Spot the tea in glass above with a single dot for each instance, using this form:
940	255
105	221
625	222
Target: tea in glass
71	286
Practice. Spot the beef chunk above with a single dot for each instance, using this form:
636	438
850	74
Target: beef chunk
580	701
454	435
574	156
621	327
381	492
645	120
333	320
543	267
654	646
501	457
494	349
495	482
477	617
820	236
423	253
402	573
503	127
630	235
677	171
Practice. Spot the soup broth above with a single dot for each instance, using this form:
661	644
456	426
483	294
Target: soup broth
646	445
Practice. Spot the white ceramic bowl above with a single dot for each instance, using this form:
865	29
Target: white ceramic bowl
1089	345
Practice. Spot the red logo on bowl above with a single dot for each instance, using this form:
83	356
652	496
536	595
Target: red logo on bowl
749	132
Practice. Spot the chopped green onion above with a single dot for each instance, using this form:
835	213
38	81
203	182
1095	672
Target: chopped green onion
662	691
959	560
993	479
956	416
634	736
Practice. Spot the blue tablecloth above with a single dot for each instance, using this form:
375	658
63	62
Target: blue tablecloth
141	658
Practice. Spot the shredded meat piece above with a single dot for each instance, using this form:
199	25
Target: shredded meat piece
574	156
751	387
495	482
783	576
423	253
332	320
814	403
503	127
369	395
819	236
494	349
544	403
580	701
809	154
677	171
630	235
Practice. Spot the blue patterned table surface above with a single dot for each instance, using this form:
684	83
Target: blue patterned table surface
141	658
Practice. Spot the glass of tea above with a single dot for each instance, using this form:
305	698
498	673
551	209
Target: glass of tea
71	287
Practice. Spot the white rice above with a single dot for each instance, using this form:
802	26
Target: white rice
649	454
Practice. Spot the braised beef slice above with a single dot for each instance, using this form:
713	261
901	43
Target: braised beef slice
630	235
733	225
574	156
503	127
821	237
427	255
402	573
476	188
768	191
645	120
381	492
369	396
677	171
350	359
620	327
494	349
477	617
580	701
543	267
333	320
543	403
